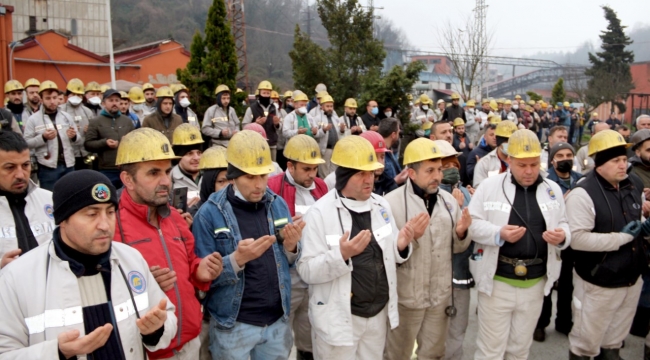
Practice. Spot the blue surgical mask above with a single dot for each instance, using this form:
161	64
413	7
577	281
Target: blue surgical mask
375	111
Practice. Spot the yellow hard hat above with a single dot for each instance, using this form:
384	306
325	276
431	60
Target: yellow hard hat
103	88
421	149
500	101
148	86
458	122
351	103
427	125
13	85
265	85
187	134
522	102
505	128
326	99
93	86
177	87
485	101
124	95
144	144
275	95
213	158
524	144
493	105
507	102
304	149
531	102
566	103
355	152
529	108
471	103
455	96
517	97
47	85
595	114
409	97
136	95
237	91
446	148
494	119
249	152
257	92
320	94
604	140
221	88
300	97
424	99
164	92
32	82
75	86
288	94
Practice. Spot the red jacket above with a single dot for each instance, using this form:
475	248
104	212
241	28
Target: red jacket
170	247
279	185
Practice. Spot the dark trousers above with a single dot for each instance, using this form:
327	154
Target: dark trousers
48	176
563	320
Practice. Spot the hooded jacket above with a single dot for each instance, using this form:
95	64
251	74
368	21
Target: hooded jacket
166	124
104	127
638	167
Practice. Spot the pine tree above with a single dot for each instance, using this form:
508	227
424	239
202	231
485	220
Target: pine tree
558	94
610	76
534	96
213	59
308	63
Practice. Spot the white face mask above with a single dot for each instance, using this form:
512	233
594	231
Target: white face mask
185	102
410	103
74	100
515	107
302	110
425	107
137	107
388	113
95	100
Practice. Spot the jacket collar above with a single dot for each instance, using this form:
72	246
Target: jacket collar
220	198
139	210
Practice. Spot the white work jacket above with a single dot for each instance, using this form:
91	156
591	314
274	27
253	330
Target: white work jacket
192	119
290	126
488	166
418	116
425	279
349	123
36	126
179	180
39	212
81	116
330	277
490	210
40	299
321	119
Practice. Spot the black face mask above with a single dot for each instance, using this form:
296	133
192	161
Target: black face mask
264	100
564	166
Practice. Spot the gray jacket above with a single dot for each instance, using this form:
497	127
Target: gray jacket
81	116
215	120
47	151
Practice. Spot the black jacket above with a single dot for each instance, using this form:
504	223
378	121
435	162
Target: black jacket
369	121
481	150
614	210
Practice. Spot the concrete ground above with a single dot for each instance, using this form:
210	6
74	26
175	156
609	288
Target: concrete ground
556	346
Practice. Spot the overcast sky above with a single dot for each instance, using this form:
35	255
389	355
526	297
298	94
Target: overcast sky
519	27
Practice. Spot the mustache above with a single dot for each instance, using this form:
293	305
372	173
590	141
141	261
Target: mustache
19	182
162	188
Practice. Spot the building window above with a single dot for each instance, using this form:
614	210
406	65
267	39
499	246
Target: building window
425	82
434	61
32	23
73	26
448	86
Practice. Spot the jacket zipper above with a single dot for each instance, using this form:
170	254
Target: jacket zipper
178	295
528	235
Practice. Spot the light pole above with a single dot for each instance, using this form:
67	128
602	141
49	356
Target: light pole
110	43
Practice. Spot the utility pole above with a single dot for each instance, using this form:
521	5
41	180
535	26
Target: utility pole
480	19
110	44
235	10
371	8
308	20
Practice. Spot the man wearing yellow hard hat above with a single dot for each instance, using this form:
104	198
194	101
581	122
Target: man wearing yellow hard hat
182	105
519	224
610	250
163	118
81	115
300	188
423	114
148	224
188	144
328	122
92	97
299	121
52	135
495	162
461	141
105	133
352	307
220	121
454	111
149	98
252	228
12	116
486	144
33	98
424	281
582	158
264	113
472	126
350	121
440	108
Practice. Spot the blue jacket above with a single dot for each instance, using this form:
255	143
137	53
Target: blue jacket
391	166
481	150
215	228
552	175
460	262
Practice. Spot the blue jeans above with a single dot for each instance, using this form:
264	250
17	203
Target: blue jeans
245	341
113	176
48	176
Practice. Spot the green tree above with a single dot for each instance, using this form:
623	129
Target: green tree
353	58
534	96
610	76
558	94
213	60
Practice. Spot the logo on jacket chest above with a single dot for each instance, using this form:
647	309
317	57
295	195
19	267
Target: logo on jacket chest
49	211
137	282
384	214
551	193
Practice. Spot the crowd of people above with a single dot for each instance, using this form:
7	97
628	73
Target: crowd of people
133	229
